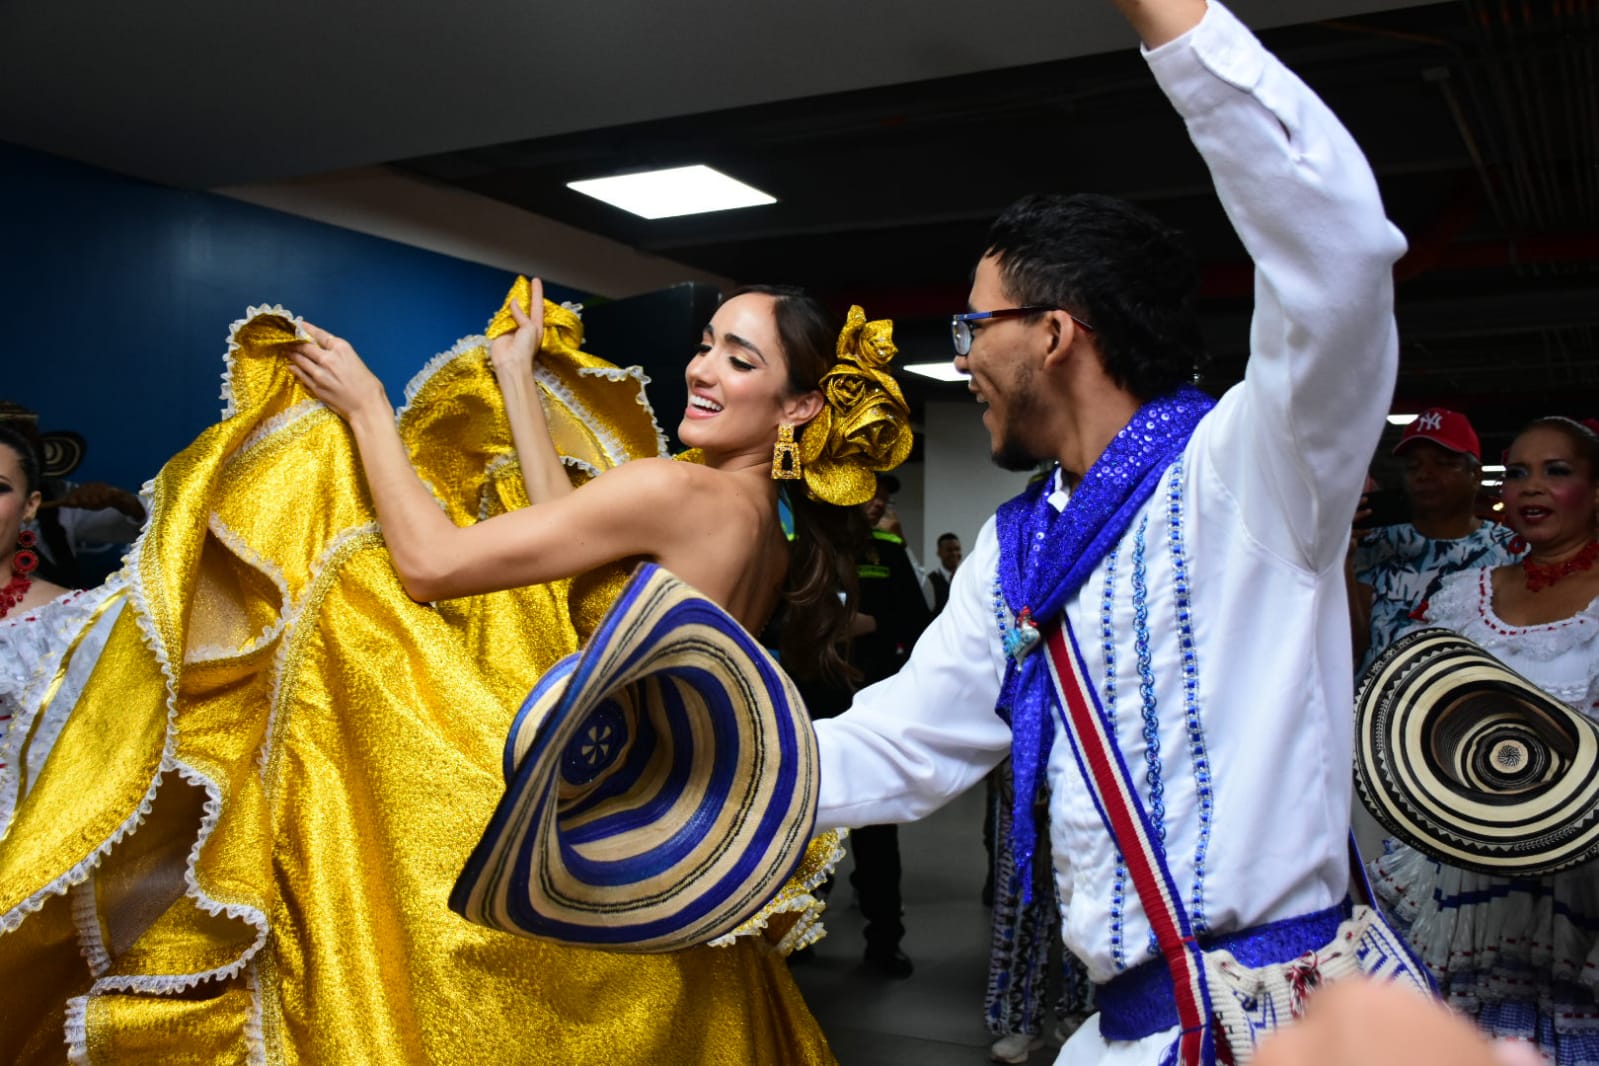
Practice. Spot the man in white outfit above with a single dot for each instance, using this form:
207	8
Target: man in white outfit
1198	552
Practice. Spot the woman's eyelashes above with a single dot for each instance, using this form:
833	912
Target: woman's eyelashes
1517	472
707	346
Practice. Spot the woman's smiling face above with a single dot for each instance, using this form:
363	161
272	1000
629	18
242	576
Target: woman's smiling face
737	379
1550	493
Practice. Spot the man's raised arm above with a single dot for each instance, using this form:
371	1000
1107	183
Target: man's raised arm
1293	446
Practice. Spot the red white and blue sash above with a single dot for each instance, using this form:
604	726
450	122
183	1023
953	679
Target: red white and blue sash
1110	784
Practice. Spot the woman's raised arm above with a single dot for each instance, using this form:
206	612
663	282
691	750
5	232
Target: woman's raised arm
641	509
633	510
514	355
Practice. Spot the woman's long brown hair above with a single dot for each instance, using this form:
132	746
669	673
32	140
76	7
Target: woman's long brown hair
820	595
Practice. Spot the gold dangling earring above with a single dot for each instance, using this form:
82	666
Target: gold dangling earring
785	456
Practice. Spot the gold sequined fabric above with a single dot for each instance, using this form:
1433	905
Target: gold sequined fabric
241	845
864	426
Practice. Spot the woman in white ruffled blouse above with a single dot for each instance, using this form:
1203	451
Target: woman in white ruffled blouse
37	619
1521	955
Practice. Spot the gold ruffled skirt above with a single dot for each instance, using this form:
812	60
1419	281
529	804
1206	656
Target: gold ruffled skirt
240	846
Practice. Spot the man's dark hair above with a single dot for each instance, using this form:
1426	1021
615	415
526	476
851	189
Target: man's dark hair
942	537
1117	267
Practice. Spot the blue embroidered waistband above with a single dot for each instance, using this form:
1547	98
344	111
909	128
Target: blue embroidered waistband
1140	1003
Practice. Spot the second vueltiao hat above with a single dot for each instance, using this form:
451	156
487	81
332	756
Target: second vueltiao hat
1464	759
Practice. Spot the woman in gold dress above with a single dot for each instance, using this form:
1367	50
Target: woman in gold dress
241	843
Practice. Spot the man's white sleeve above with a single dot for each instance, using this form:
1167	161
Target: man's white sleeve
1292	444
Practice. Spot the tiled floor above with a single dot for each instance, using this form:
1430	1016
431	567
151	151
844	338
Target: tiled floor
934	1017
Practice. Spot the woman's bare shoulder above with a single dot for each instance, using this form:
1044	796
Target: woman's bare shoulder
693	499
667	478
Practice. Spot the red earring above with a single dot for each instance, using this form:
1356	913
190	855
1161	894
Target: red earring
25	561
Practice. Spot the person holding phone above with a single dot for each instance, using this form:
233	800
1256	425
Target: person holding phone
1400	565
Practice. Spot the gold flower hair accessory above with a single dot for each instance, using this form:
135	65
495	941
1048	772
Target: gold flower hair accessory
864	426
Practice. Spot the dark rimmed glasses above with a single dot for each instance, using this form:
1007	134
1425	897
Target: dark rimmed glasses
960	326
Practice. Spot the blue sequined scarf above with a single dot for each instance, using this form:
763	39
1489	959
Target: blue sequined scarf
1045	556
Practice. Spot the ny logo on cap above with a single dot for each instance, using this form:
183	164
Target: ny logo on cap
1430	420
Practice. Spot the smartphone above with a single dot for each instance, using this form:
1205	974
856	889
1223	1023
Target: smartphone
1389	507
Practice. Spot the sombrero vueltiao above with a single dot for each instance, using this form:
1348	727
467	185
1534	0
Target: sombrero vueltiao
60	451
662	784
1464	759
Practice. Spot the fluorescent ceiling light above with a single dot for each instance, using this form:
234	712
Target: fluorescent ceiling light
668	193
944	371
1401	420
1493	470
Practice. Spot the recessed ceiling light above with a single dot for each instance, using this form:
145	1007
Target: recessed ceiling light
1401	420
668	193
944	371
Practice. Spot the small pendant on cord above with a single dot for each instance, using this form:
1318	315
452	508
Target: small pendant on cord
1023	637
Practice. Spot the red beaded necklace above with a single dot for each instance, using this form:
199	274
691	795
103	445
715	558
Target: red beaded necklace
14	593
1542	575
23	563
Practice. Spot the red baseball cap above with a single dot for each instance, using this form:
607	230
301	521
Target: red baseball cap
1445	428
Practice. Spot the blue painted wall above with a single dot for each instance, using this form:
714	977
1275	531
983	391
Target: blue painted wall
117	295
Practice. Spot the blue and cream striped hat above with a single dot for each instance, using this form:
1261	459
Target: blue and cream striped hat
662	784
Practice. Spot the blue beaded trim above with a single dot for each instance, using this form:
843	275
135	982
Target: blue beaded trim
1146	691
1196	730
1146	687
1107	633
1000	612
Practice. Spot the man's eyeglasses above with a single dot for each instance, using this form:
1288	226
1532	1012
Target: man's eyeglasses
960	326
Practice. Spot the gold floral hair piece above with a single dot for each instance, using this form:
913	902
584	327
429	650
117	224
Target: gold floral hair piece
864	427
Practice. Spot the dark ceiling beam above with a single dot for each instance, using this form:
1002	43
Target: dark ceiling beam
1519	307
1511	310
1134	179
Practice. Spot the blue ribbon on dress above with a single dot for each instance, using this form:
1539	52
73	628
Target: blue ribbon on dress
1044	558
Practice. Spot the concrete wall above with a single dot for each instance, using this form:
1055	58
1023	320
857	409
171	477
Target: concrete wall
961	485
